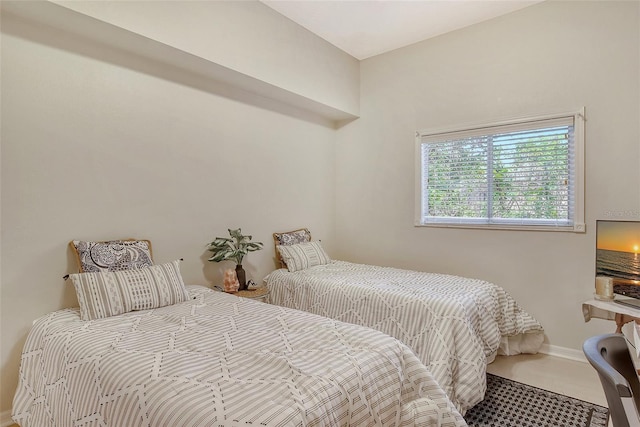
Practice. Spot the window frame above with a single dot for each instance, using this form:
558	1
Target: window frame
578	176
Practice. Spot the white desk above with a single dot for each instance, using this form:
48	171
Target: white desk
610	310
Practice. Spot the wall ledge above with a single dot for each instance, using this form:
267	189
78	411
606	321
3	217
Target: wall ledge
210	76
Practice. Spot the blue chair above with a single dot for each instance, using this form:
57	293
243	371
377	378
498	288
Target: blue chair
610	357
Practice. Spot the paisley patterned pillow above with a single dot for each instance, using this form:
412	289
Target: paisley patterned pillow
115	255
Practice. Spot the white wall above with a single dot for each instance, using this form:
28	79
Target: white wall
99	144
551	57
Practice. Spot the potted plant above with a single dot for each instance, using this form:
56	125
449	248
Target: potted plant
234	248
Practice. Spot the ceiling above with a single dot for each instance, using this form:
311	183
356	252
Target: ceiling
367	28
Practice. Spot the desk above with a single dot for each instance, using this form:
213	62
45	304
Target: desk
610	310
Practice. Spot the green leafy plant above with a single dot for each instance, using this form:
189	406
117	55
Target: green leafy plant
233	248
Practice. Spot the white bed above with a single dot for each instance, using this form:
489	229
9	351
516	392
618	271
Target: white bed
220	360
455	325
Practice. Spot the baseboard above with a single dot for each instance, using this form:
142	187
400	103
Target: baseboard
5	419
565	353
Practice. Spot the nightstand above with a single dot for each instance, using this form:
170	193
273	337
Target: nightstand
259	293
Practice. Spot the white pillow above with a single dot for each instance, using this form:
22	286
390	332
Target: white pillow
105	294
303	255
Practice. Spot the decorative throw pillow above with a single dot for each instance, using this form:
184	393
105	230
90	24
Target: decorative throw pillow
303	255
113	255
293	237
105	294
287	238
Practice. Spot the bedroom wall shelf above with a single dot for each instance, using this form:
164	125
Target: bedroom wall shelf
609	310
177	64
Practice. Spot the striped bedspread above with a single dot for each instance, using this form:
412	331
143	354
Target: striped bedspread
455	325
221	360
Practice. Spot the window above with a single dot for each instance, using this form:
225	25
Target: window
522	174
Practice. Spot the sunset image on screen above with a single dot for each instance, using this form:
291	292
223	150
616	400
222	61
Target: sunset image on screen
618	255
619	236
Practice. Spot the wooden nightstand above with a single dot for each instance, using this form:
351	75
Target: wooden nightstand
259	293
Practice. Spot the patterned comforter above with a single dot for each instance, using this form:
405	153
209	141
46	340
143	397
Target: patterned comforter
455	325
221	360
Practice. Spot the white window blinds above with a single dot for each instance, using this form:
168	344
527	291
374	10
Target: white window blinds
518	174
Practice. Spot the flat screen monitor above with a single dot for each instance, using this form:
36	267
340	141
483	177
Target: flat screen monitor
618	255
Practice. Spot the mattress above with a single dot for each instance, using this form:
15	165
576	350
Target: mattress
455	325
221	360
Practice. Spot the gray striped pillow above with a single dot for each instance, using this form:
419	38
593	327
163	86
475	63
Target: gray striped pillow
105	294
303	255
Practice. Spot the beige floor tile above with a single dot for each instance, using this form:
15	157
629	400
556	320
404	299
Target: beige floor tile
571	378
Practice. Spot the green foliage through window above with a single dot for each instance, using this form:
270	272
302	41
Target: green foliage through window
519	174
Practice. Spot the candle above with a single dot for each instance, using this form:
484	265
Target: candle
604	286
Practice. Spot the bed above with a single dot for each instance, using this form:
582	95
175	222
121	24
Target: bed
215	359
455	325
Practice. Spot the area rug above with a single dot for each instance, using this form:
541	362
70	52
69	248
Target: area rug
509	404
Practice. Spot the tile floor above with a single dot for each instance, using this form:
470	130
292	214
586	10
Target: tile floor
560	375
